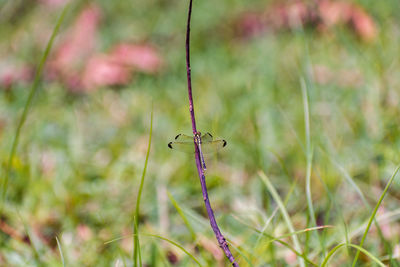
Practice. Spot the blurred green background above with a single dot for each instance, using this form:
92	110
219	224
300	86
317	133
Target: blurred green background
257	67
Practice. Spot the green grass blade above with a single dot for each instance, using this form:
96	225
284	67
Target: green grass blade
183	216
291	190
60	250
273	239
33	90
136	244
264	229
292	129
302	231
331	253
336	207
359	249
350	180
136	247
371	219
309	153
162	238
241	253
386	218
32	242
284	212
176	245
309	158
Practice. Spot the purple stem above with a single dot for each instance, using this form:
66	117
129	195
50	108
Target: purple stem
220	238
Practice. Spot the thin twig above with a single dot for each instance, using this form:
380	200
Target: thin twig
220	238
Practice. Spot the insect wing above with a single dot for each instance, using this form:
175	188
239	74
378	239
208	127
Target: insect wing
207	137
212	146
183	138
185	143
187	147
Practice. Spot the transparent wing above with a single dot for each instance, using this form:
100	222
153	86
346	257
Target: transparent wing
212	146
183	138
185	143
207	137
187	147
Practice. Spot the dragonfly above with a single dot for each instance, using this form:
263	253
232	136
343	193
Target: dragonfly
205	144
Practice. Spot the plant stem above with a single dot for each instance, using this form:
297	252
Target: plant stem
32	92
220	238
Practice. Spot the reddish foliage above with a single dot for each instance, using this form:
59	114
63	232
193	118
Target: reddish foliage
11	74
53	3
79	42
212	248
363	24
82	69
84	232
141	57
47	228
103	70
13	232
275	17
332	12
172	257
323	14
251	24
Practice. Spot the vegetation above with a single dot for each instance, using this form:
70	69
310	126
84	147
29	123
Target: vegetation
309	110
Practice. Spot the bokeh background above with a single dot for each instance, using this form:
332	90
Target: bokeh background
290	85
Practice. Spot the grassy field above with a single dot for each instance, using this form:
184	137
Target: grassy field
310	114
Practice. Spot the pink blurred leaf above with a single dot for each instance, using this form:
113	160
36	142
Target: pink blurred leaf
250	24
80	67
325	14
334	12
103	70
363	24
53	3
84	232
11	74
79	42
141	57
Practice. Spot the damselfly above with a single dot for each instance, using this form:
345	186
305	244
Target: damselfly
205	144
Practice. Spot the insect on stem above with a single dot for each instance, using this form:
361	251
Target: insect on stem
200	164
198	142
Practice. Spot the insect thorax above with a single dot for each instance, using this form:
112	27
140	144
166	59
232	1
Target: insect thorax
197	138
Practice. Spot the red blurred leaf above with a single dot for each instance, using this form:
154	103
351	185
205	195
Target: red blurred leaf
334	12
324	14
11	74
53	3
84	232
363	24
141	57
103	70
277	16
79	42
213	248
250	24
172	257
77	64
